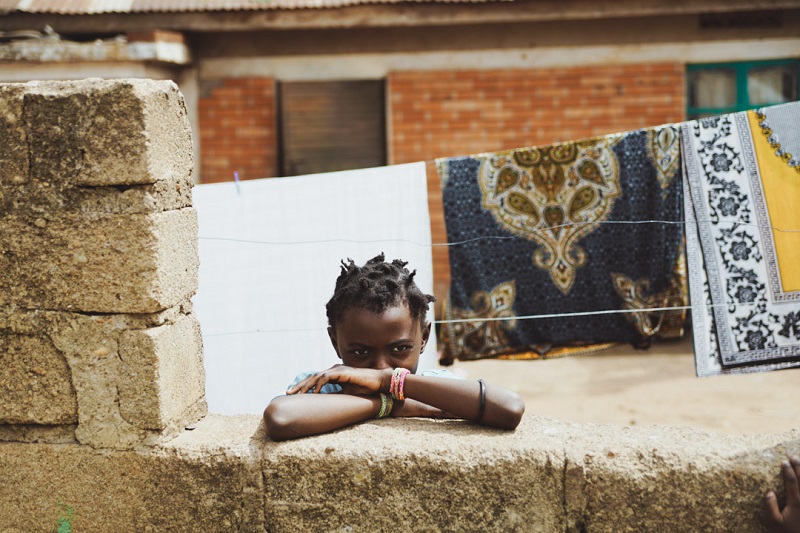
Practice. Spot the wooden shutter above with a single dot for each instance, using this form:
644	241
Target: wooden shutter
331	125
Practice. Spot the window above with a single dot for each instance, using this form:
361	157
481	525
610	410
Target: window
718	88
331	125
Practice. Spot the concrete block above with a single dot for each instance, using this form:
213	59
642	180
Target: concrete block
415	475
94	132
670	479
162	379
94	146
35	382
14	147
117	406
106	352
545	476
99	264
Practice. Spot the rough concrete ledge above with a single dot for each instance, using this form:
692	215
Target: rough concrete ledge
394	475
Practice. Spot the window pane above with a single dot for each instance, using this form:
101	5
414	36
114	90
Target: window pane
697	116
712	88
772	85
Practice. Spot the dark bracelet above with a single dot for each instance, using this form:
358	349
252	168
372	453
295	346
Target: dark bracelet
482	406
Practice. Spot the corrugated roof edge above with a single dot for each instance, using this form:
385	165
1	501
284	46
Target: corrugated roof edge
176	6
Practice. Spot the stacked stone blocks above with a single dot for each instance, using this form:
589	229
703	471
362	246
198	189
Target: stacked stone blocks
98	261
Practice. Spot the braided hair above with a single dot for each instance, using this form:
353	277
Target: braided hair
376	287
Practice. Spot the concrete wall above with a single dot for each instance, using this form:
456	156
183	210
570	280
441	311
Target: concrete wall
102	408
400	475
99	260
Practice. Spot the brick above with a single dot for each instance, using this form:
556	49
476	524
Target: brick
244	122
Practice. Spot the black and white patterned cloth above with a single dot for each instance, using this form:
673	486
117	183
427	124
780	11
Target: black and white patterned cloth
743	319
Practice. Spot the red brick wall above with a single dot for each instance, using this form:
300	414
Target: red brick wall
442	114
238	129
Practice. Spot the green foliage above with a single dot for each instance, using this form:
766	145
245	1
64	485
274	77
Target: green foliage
65	520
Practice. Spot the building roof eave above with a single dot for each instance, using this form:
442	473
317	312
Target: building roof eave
371	14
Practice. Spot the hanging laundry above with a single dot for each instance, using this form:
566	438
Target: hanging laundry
555	229
269	258
742	242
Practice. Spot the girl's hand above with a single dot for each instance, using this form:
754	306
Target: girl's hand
788	519
355	381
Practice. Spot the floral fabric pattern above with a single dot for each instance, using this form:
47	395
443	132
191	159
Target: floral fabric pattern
556	223
742	320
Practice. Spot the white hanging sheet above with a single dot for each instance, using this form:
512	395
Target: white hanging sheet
270	252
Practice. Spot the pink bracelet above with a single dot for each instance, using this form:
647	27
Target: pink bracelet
397	383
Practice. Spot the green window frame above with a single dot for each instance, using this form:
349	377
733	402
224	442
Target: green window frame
741	71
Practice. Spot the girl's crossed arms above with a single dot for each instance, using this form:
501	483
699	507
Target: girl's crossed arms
377	327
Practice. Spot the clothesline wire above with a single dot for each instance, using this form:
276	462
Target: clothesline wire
489	237
503	318
494	237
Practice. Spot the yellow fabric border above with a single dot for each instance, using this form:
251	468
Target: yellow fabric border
781	186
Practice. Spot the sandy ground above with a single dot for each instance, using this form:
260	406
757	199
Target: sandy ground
654	387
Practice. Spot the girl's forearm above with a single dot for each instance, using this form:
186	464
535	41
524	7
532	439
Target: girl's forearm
503	408
303	415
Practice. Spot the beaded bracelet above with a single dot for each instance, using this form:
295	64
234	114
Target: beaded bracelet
386	406
482	406
398	380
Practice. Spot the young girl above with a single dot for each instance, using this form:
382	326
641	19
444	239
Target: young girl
377	325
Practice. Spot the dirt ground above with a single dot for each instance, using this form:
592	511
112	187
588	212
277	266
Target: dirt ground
654	387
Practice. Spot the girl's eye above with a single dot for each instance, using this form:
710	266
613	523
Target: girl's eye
360	352
402	348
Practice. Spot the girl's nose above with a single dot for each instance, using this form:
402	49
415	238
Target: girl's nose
382	362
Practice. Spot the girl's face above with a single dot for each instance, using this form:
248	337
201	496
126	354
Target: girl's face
392	339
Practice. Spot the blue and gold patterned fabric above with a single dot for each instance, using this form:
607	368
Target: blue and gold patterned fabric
564	229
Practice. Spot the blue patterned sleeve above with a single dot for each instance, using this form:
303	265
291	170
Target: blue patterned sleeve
328	388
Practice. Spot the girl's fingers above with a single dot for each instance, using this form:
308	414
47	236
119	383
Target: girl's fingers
774	516
304	386
790	483
323	379
795	462
313	383
310	382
